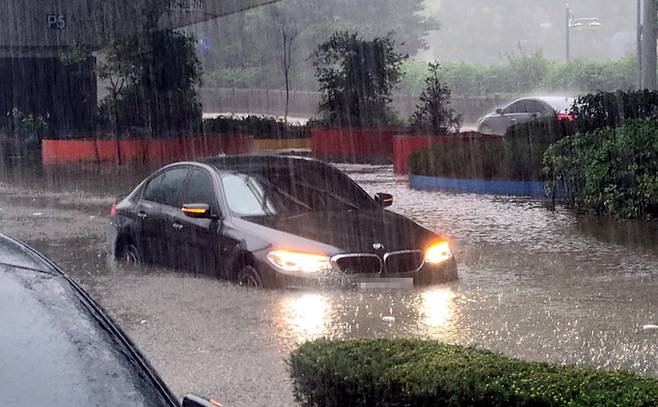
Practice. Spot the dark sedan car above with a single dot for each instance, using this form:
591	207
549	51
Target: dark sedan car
59	348
274	221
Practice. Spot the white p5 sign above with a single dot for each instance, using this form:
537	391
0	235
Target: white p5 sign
56	21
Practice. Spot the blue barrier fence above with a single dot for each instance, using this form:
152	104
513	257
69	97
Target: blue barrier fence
532	189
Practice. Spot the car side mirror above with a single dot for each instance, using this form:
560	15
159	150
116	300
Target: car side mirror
499	111
199	211
192	400
384	199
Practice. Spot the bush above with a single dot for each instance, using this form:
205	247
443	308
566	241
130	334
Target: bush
517	156
612	171
426	373
610	109
259	127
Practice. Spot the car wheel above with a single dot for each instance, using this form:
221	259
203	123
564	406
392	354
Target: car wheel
249	277
130	255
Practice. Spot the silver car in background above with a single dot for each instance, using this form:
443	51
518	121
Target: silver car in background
524	110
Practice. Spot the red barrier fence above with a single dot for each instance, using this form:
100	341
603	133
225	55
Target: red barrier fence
355	145
158	151
404	146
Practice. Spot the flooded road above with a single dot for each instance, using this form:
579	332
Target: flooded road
538	284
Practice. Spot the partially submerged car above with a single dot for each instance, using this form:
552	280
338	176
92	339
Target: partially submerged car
267	221
58	346
524	110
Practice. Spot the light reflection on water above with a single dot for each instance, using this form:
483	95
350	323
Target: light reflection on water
437	307
306	315
427	312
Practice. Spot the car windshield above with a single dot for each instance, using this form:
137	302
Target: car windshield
341	202
276	193
560	104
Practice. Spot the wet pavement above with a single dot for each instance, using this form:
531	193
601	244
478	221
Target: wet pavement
539	284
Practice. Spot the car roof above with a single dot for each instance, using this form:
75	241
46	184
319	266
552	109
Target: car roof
258	160
559	103
56	348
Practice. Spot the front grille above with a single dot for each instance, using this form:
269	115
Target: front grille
358	263
403	261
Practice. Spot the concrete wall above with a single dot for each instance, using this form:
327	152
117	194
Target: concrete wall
44	27
305	104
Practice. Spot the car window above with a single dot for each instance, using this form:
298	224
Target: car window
199	189
152	190
247	196
534	106
516	107
167	187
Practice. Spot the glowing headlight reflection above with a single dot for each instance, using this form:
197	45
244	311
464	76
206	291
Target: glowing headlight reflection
301	262
438	307
438	252
307	316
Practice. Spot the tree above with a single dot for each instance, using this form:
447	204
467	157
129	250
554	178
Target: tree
153	78
118	71
250	42
356	78
287	31
434	112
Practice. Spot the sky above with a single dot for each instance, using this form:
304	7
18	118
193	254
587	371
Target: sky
485	31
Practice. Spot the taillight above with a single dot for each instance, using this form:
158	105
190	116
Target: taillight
565	116
113	210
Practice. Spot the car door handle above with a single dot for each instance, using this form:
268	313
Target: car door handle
142	215
177	226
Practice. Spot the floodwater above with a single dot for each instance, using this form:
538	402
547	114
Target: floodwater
538	284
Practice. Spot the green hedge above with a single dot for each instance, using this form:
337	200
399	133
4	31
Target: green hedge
612	171
425	373
259	127
611	109
517	156
525	73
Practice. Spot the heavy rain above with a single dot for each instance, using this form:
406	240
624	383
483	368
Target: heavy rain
496	161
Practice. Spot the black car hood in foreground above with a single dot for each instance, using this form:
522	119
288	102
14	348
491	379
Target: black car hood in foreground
55	350
353	231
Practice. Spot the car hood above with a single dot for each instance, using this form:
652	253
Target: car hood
353	231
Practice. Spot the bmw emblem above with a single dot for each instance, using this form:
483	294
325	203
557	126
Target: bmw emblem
378	246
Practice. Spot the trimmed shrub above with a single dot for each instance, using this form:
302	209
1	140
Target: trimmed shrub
426	373
612	171
610	109
515	157
259	127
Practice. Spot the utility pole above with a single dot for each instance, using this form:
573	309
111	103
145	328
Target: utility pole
568	33
649	46
639	44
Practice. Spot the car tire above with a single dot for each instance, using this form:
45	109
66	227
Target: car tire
249	277
130	255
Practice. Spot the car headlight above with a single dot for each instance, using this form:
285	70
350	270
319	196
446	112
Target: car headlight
438	252
296	261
